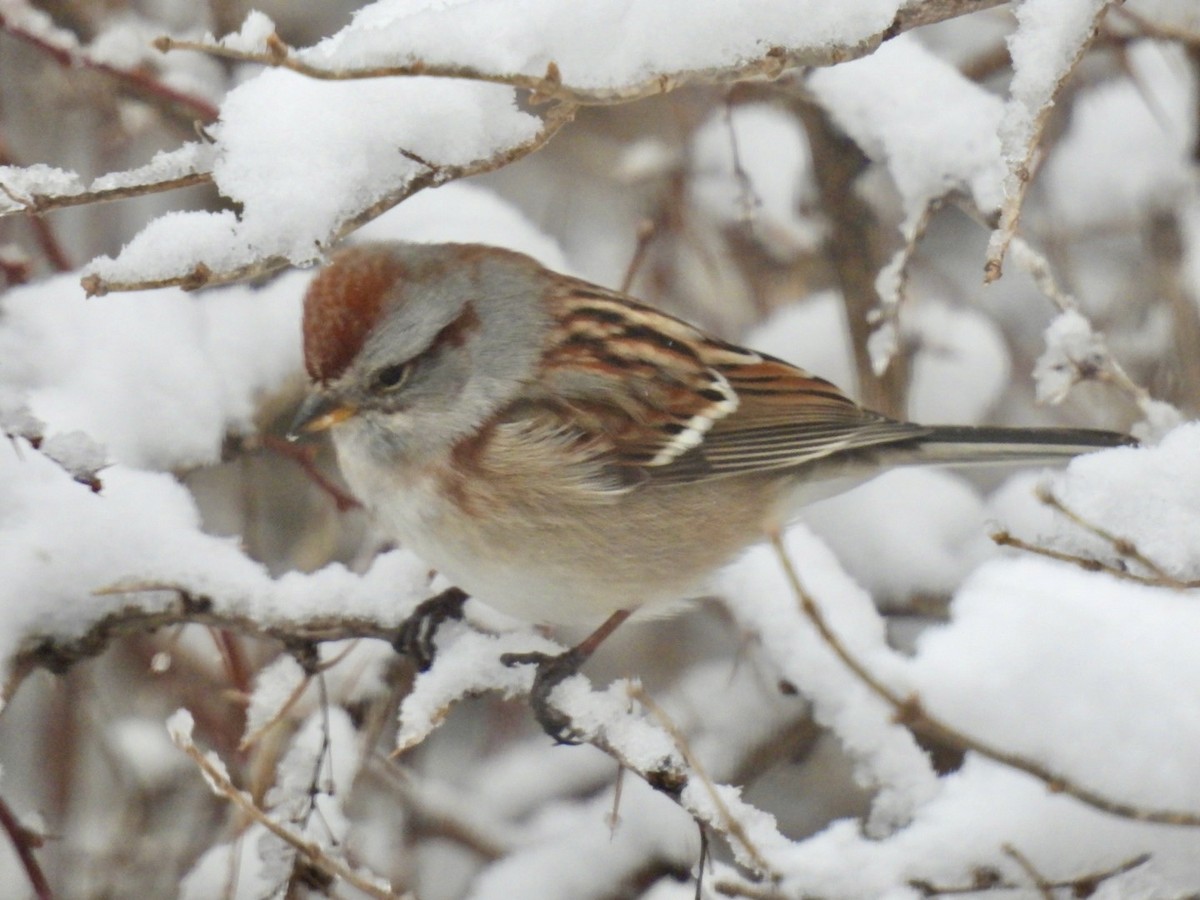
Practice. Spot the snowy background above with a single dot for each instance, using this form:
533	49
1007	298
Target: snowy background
961	211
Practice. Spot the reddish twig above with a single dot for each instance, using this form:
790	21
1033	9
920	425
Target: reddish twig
305	457
24	841
136	81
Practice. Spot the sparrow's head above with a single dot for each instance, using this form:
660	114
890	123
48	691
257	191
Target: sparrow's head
412	346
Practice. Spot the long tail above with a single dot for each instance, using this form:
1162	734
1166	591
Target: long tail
955	444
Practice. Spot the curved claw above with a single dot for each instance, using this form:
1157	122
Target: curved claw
416	634
551	672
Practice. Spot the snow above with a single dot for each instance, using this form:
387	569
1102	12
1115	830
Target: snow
106	404
1147	495
1072	347
1077	706
276	166
603	44
1050	36
934	129
760	598
158	378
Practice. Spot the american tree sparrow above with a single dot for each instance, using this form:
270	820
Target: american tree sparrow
568	454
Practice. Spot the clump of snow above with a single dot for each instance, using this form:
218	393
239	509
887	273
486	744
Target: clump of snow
1049	37
1148	495
1072	350
16	420
274	686
605	44
275	164
22	183
191	158
252	36
933	128
1091	676
76	452
762	601
160	377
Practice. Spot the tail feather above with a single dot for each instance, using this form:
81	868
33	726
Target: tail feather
957	444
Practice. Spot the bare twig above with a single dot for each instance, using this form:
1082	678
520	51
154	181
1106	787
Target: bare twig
304	456
646	231
1005	539
1030	870
61	46
311	852
911	713
1080	886
24	842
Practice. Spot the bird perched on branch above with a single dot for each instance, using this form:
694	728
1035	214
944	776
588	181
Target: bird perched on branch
570	455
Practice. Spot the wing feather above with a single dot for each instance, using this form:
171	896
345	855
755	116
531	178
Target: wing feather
658	401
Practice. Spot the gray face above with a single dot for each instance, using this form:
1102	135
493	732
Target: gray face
447	354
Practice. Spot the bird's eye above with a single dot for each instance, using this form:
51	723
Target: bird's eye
389	378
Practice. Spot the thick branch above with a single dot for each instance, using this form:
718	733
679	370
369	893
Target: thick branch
36	204
549	86
57	654
201	276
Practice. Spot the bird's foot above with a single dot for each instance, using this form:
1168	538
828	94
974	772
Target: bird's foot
552	670
416	634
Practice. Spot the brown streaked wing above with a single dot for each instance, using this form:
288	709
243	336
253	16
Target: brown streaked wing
786	417
630	375
673	405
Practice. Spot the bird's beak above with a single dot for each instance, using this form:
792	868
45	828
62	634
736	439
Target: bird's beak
318	412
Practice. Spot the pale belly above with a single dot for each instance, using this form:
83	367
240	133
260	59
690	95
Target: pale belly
557	561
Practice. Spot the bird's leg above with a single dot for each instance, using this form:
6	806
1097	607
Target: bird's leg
553	670
415	638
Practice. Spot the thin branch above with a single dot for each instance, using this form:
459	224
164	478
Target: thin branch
729	825
1109	369
62	47
1080	885
312	852
57	654
647	230
550	86
36	204
1121	546
1030	870
24	841
911	713
1158	31
201	276
304	456
1021	170
1004	538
